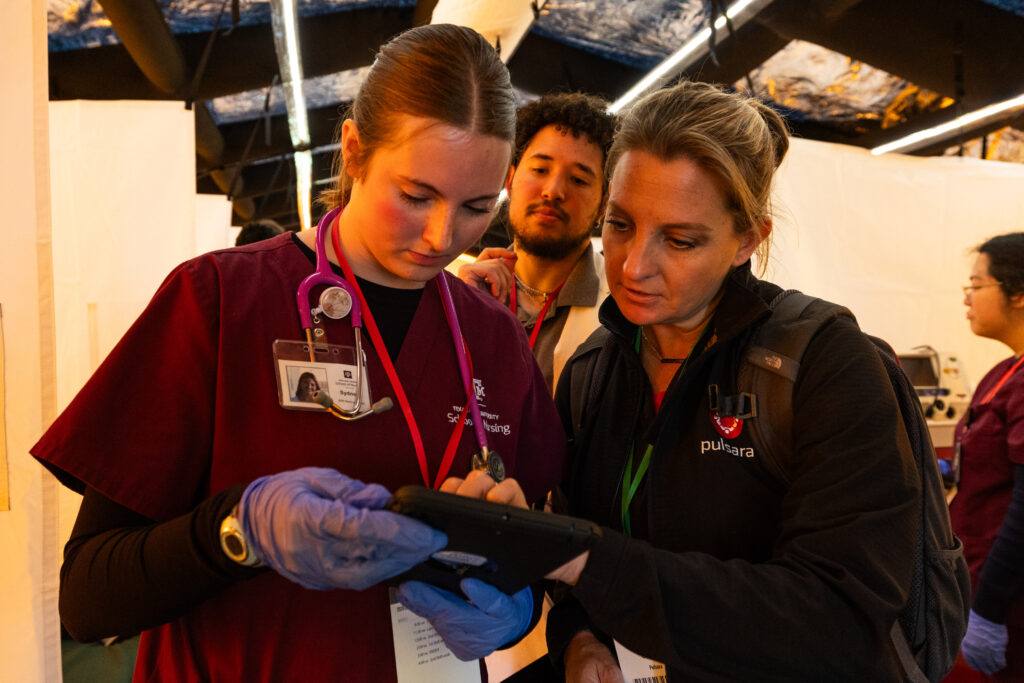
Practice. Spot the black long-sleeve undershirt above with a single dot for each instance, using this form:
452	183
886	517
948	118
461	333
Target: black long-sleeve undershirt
1003	576
124	573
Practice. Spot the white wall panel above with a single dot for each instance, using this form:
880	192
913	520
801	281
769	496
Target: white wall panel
213	223
890	237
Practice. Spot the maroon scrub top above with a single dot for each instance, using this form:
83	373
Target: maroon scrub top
186	405
991	442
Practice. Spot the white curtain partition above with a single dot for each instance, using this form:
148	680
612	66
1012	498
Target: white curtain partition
29	630
890	237
124	214
213	223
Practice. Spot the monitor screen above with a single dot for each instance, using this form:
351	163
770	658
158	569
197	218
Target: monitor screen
920	370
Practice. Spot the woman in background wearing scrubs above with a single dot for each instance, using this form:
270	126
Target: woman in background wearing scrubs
988	510
202	475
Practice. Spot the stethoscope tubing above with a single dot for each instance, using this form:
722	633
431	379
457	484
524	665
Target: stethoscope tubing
460	355
324	275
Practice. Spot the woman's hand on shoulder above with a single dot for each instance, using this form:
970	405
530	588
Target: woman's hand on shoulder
491	272
478	484
588	660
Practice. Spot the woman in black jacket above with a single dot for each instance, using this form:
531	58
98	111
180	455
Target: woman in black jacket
710	568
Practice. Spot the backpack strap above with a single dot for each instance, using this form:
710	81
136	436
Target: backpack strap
911	667
927	633
588	368
770	368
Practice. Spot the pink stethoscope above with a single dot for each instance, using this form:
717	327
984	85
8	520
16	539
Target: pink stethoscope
342	298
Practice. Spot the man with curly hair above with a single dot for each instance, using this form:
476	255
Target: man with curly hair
551	277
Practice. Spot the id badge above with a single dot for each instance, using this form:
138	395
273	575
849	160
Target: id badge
420	654
333	368
637	669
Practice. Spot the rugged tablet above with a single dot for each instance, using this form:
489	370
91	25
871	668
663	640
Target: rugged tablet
506	546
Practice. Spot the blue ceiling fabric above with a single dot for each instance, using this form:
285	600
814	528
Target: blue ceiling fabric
1015	6
639	33
78	24
807	58
320	91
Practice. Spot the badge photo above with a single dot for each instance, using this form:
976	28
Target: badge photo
303	383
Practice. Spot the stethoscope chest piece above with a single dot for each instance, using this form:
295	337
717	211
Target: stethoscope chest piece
335	303
490	463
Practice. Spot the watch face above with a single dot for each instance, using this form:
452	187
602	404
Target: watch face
234	546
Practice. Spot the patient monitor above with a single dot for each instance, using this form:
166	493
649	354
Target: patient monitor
939	381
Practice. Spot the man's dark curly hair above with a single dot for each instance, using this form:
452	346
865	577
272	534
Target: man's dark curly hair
576	113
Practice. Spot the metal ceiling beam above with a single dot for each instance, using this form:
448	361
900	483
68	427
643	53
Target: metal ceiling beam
244	208
322	125
922	121
542	65
266	179
209	141
205	185
277	205
938	148
739	54
148	39
242	60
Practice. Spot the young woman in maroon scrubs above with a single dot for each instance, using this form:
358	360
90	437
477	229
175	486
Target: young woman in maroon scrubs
205	468
988	510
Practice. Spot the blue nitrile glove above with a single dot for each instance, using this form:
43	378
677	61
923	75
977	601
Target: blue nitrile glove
323	530
984	645
472	629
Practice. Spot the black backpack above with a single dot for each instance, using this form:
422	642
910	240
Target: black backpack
928	632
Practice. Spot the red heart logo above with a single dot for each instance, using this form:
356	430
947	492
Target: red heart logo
728	427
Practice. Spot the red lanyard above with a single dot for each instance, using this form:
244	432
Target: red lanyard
551	296
1002	380
396	383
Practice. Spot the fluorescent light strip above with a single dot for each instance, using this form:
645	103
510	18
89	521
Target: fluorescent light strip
284	17
303	186
291	37
675	62
918	139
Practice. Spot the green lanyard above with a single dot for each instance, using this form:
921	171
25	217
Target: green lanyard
631	481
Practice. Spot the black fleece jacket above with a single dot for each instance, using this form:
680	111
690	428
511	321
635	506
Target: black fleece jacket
731	575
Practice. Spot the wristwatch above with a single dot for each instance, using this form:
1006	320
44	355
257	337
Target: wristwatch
234	543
